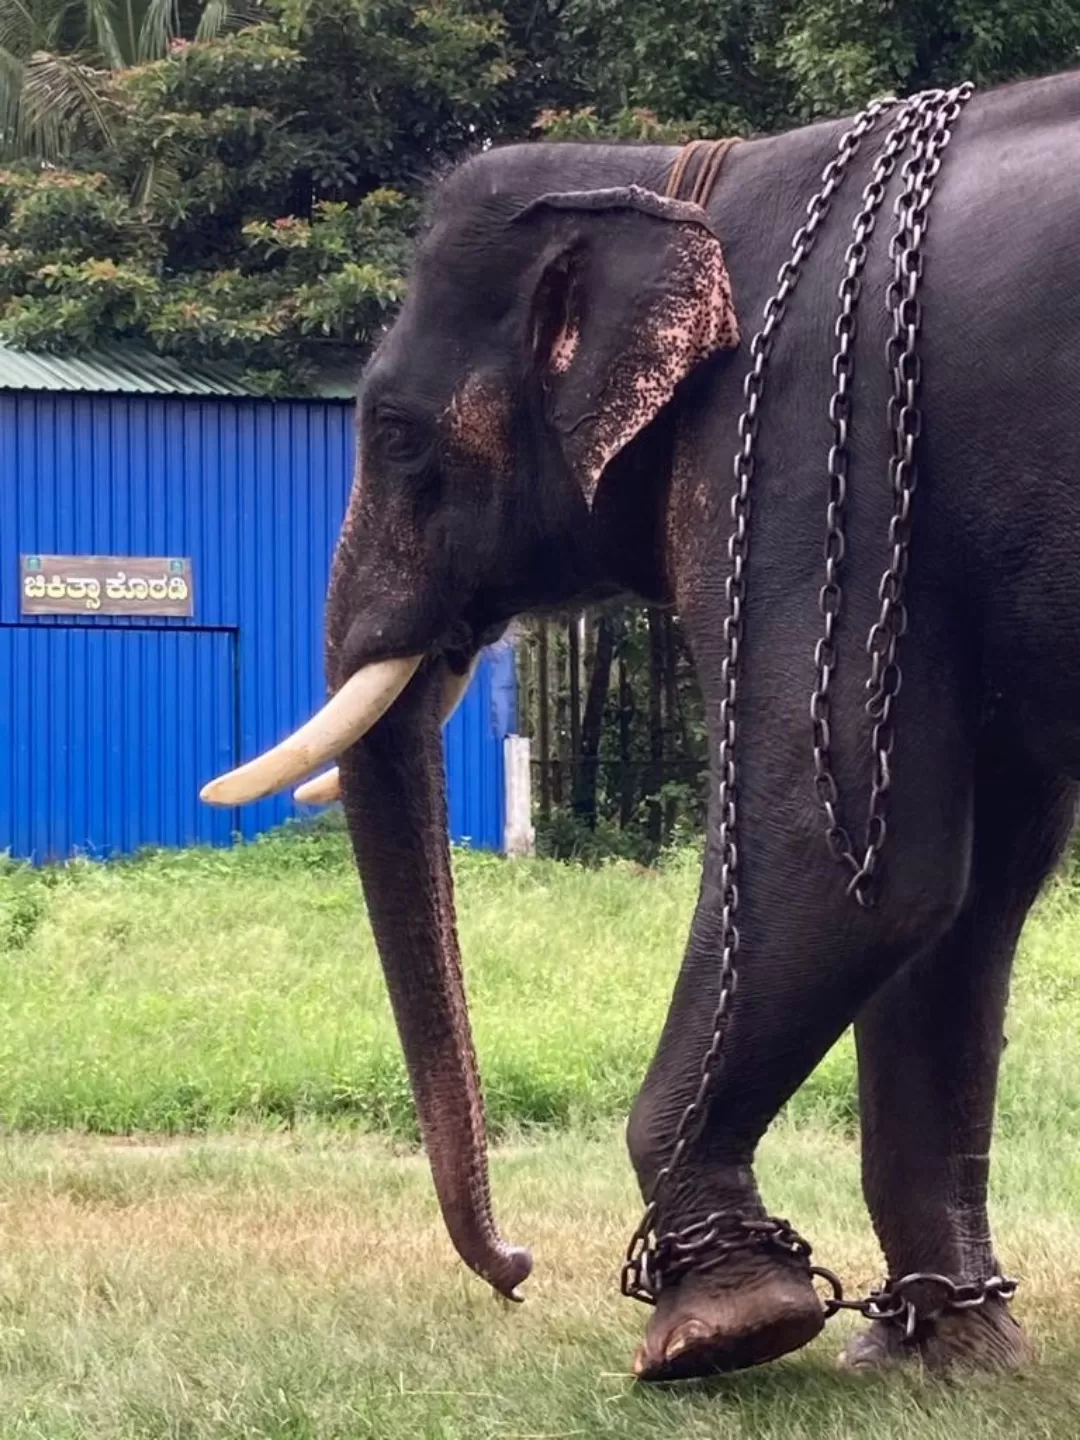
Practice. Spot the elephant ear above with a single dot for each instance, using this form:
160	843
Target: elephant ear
632	293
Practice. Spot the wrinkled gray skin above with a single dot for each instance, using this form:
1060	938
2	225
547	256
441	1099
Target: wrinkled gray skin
533	348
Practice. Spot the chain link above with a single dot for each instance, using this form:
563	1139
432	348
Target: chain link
905	420
641	1274
830	596
893	1305
709	1242
925	122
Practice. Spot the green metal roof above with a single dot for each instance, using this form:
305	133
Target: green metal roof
135	370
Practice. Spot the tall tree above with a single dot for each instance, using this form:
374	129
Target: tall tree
253	215
625	730
573	665
262	215
543	722
671	712
655	774
587	779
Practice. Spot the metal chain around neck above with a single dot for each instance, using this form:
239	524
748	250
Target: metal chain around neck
931	117
640	1277
651	1258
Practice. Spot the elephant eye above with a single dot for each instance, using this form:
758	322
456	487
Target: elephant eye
400	438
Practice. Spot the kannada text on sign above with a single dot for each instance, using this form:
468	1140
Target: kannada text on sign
105	585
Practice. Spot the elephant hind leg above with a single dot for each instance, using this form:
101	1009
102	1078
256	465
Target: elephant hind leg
989	1338
929	1044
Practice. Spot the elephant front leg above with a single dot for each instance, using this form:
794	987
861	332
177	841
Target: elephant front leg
808	962
929	1046
755	1306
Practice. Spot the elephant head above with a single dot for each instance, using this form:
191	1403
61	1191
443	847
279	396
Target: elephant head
542	335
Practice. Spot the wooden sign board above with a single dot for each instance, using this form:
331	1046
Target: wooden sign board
105	585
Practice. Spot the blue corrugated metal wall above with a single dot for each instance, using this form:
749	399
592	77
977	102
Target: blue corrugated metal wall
477	806
108	726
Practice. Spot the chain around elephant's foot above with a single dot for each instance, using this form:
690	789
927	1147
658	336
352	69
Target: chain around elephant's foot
989	1338
752	1309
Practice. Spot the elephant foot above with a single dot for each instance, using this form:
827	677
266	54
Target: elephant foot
744	1313
988	1338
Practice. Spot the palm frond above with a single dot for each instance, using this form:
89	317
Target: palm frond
160	22
221	16
213	19
12	75
102	33
158	189
17	27
63	97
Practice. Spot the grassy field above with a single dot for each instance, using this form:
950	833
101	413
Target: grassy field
215	1222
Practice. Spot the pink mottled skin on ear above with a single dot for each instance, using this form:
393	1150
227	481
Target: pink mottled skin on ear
694	318
565	348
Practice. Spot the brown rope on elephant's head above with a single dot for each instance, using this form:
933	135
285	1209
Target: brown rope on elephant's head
701	161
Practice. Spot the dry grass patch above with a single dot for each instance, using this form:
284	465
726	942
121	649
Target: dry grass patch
299	1285
259	1287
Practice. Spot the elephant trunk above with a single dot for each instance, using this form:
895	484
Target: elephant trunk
394	795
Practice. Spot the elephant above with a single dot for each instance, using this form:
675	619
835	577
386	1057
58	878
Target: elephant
550	421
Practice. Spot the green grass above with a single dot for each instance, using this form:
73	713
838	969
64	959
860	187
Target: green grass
193	990
190	990
293	1280
303	1289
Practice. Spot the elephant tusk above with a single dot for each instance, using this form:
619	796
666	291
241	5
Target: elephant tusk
347	715
324	789
454	687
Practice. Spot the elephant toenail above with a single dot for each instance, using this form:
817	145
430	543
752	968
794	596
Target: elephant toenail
685	1336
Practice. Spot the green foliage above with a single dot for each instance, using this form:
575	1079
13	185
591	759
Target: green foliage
250	205
22	905
291	282
57	58
57	268
561	835
706	66
251	196
839	52
188	990
638	125
759	65
63	215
